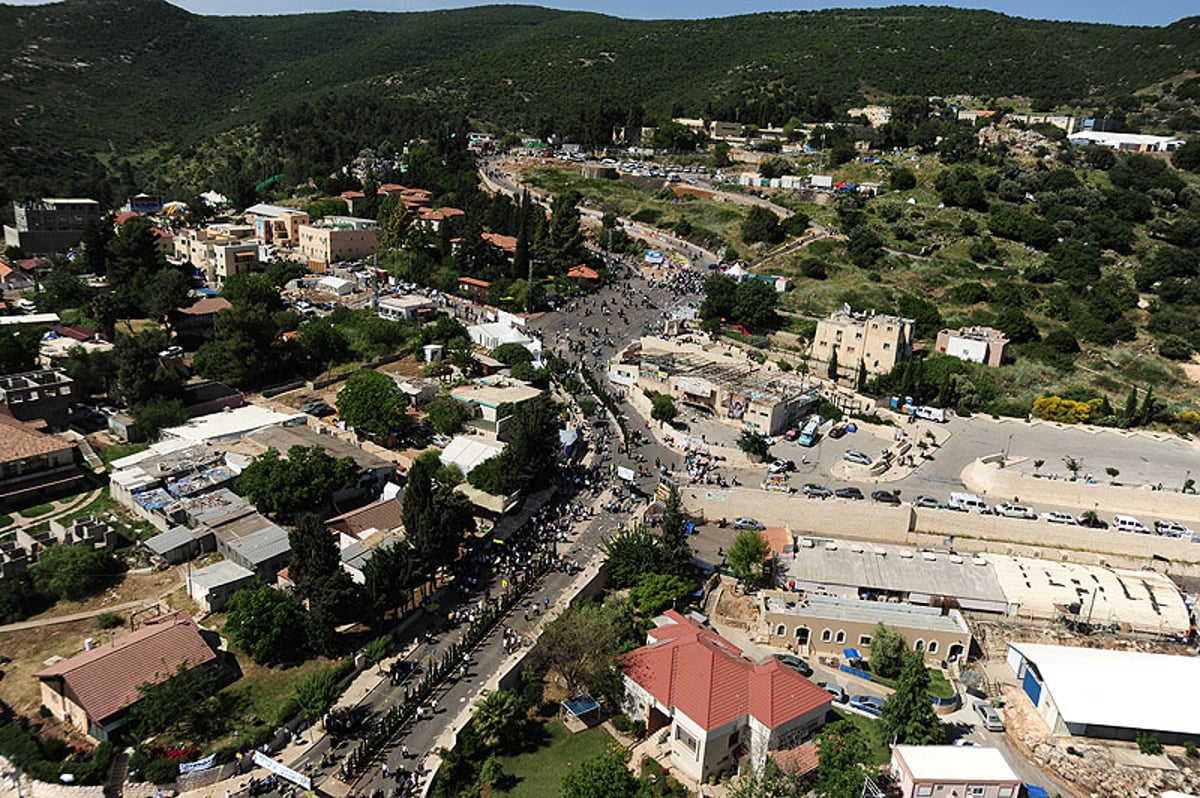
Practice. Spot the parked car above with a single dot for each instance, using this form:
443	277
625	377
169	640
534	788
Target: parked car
1058	517
1172	529
1010	510
747	523
857	457
885	497
319	408
782	466
171	351
964	742
989	716
849	493
1127	523
837	431
795	663
868	703
814	491
835	690
968	503
1091	521
929	502
791	435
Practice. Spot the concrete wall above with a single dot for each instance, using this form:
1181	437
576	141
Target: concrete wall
981	476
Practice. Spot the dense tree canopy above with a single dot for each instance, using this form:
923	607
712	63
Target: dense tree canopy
304	480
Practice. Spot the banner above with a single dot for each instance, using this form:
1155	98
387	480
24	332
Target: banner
199	764
280	769
737	405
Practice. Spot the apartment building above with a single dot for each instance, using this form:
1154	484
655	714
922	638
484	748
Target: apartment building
877	341
46	226
337	238
976	344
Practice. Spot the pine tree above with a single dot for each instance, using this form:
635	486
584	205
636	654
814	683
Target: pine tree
674	547
1131	405
833	366
908	717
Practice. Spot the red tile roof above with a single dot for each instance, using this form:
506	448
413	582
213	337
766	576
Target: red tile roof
203	307
506	243
122	218
704	676
798	761
22	439
473	281
349	195
582	272
77	333
105	680
384	515
779	539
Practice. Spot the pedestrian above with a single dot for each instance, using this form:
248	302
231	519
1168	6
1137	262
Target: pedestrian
386	771
404	751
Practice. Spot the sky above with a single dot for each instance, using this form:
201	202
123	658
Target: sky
1119	12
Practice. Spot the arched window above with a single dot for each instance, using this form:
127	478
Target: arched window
919	645
841	636
826	635
781	630
933	646
802	635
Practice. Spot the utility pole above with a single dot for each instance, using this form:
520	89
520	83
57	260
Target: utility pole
375	281
529	286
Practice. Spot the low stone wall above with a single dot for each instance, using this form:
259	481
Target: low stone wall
1002	483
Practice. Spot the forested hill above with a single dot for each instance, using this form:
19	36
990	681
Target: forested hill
118	75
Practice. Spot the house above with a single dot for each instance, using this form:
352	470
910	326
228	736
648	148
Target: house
14	278
197	319
337	238
976	344
874	341
38	395
46	226
385	516
432	220
719	708
94	690
34	465
476	289
1062	683
947	771
491	401
57	345
468	451
212	587
175	546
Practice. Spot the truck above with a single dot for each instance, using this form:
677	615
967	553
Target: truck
811	431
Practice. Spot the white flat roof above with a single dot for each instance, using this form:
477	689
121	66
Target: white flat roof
1144	600
953	763
466	453
1099	687
230	424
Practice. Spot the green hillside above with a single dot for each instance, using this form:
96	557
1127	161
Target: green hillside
117	77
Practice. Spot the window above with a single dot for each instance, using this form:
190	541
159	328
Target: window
886	347
1005	792
802	635
864	640
933	646
924	789
781	630
976	790
919	645
733	739
841	637
687	739
826	635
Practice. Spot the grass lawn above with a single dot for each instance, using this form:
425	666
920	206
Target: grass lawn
36	510
550	751
880	752
938	684
120	450
5	520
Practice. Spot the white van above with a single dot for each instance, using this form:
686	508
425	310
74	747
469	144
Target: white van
967	503
1127	523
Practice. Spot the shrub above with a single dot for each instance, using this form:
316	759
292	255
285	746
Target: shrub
109	620
622	723
1148	743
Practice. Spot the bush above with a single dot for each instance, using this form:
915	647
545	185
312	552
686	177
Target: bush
109	620
1148	743
161	771
622	723
639	729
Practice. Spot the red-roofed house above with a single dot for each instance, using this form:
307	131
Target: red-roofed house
506	244
14	277
477	289
719	706
93	690
432	219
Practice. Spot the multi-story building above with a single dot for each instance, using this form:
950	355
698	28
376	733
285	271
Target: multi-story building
50	225
942	771
44	395
275	225
873	340
976	344
219	251
34	466
337	238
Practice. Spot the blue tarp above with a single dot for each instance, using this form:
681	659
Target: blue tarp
1036	792
851	653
